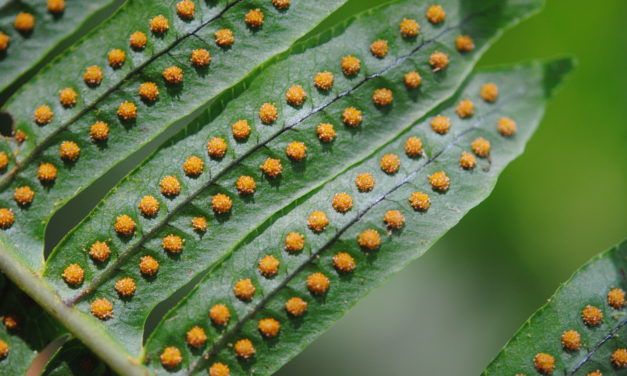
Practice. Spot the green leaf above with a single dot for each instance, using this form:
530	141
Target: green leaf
542	333
274	197
25	327
522	98
27	49
73	358
252	48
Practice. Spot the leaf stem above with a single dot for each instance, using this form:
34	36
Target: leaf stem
81	326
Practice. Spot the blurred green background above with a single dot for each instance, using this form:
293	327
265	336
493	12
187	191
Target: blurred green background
562	202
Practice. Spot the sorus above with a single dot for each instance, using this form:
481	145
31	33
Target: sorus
173	75
216	147
294	242
246	185
281	4
435	14
199	224
296	306
506	126
382	97
171	357
390	163
138	40
125	287
193	166
244	348
43	115
73	275
438	61
297	151
616	298
324	80
46	173
172	243
619	358
6	218
571	340
148	265
268	113
413	147
93	75
364	182
240	129
244	289
544	363
99	131
20	136
170	186
69	151
24	22
591	315
594	373
99	251
221	203
254	18
269	327
439	181
124	225
4	349
127	111
464	43
441	124
465	108
219	369
350	65
4	41
412	80
196	337
4	160
489	92
159	24
149	206
67	97
23	195
219	314
56	6
481	147
342	202
318	283
295	95
11	322
467	160
344	262
326	132
394	219
369	240
200	58
185	9
102	308
352	117
409	28
269	266
116	58
379	48
272	167
317	221
224	38
149	91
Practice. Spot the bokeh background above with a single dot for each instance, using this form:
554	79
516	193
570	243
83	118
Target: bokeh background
562	202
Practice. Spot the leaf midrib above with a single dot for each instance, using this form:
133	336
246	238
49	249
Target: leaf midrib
100	278
315	255
10	176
